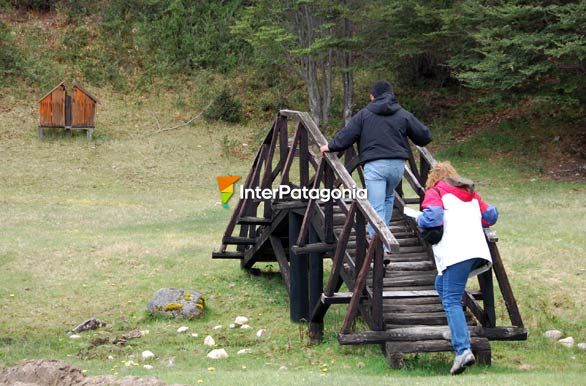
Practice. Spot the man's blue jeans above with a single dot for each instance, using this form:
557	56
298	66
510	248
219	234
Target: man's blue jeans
382	177
450	286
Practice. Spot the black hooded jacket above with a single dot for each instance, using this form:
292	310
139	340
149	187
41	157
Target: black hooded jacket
382	129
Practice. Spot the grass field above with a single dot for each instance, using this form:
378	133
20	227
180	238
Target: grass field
95	228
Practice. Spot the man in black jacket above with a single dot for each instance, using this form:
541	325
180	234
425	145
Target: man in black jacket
381	130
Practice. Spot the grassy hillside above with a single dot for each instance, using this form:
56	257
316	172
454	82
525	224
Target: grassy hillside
94	228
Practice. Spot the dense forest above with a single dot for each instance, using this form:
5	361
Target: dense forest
514	58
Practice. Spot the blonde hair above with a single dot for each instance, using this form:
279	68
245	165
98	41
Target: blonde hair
440	171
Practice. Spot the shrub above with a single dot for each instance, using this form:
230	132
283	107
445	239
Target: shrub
225	107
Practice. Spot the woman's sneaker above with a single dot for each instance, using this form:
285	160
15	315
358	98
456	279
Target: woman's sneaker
462	361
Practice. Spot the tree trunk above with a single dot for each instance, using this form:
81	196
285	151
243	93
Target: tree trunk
347	76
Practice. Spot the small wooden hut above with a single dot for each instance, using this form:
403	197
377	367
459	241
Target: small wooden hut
59	109
52	108
83	110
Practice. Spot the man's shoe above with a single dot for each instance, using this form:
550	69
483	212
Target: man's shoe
466	359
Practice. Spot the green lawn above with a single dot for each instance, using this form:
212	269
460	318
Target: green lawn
95	228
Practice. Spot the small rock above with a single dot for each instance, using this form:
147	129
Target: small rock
218	327
148	367
233	325
283	368
240	320
110	357
582	346
74	336
568	342
245	327
219	353
195	335
209	341
171	362
244	351
553	334
144	332
260	333
147	355
182	329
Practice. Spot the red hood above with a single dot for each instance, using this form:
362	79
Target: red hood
463	192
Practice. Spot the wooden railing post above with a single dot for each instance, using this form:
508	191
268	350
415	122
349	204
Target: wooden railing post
360	229
376	308
329	205
303	156
316	285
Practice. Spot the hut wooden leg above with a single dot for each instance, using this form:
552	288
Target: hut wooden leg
41	133
90	133
68	132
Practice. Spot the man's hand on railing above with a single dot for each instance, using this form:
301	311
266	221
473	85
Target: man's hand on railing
324	148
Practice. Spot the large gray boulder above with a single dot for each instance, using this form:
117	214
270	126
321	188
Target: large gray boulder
177	303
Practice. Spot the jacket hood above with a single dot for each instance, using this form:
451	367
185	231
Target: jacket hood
461	187
385	104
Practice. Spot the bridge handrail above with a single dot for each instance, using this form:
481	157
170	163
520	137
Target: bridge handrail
336	164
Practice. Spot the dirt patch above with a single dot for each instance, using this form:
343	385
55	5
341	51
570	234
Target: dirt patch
43	372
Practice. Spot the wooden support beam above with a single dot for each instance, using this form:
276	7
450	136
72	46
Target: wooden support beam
477	343
329	205
299	268
238	240
317	247
249	255
254	220
422	333
505	286
310	206
487	291
476	310
303	156
359	285
338	259
281	257
289	160
376	302
227	255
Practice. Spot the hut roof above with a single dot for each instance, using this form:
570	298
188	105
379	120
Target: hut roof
53	89
86	92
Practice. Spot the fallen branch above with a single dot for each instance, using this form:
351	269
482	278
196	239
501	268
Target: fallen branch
190	120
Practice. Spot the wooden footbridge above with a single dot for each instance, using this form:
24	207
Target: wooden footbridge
398	302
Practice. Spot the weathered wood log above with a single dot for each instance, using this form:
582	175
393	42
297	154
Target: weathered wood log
254	220
477	343
410	266
423	333
231	240
227	255
314	248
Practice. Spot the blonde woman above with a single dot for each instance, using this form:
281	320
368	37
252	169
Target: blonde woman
451	202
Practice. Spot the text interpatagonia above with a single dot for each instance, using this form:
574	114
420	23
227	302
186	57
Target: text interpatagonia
303	193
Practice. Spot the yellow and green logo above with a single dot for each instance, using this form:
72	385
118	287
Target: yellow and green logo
226	186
